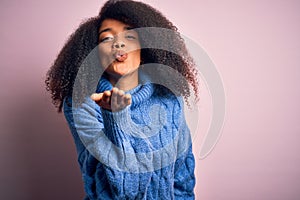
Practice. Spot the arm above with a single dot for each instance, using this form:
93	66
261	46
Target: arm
184	177
184	181
95	130
67	109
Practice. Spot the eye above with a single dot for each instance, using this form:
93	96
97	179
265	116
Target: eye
106	39
130	37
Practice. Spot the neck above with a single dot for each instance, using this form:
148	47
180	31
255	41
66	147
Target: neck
126	82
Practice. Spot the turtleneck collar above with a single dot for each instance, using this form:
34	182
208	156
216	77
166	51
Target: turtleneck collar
138	94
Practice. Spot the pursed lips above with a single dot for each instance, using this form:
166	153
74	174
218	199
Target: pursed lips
120	56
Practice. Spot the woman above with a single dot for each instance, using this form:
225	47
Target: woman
123	105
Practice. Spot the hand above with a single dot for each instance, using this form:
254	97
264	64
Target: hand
114	100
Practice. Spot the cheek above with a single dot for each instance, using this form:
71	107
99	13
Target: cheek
134	47
136	58
137	55
104	56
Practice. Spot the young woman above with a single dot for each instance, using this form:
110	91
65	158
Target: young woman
124	105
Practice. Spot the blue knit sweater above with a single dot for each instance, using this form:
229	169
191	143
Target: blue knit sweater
141	152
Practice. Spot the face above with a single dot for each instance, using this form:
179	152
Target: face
119	48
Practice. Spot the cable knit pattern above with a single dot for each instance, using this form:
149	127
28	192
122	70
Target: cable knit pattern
141	152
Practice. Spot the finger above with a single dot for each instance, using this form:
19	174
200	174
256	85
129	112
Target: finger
96	96
114	97
106	96
127	99
114	91
120	97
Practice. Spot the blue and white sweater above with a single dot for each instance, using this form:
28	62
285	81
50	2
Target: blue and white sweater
141	152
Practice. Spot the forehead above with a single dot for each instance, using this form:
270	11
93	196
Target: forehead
113	25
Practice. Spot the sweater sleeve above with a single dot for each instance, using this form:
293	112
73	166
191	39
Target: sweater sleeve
184	181
184	177
67	109
97	131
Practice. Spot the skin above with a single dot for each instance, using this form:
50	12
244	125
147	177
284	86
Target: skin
116	37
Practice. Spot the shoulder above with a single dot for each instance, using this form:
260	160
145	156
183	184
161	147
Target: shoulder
167	96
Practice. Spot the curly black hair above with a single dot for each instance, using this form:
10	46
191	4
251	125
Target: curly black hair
168	50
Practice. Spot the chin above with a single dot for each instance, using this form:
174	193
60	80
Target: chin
117	73
120	69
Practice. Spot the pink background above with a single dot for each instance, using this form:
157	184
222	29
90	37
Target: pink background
256	48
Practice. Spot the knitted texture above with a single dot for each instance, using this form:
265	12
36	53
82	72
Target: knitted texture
141	152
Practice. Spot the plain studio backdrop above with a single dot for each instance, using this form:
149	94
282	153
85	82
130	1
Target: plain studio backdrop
256	49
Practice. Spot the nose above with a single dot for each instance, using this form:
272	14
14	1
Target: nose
118	44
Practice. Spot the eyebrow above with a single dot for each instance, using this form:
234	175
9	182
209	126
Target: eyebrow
109	29
105	30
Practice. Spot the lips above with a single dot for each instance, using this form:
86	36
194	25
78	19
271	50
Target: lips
120	56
